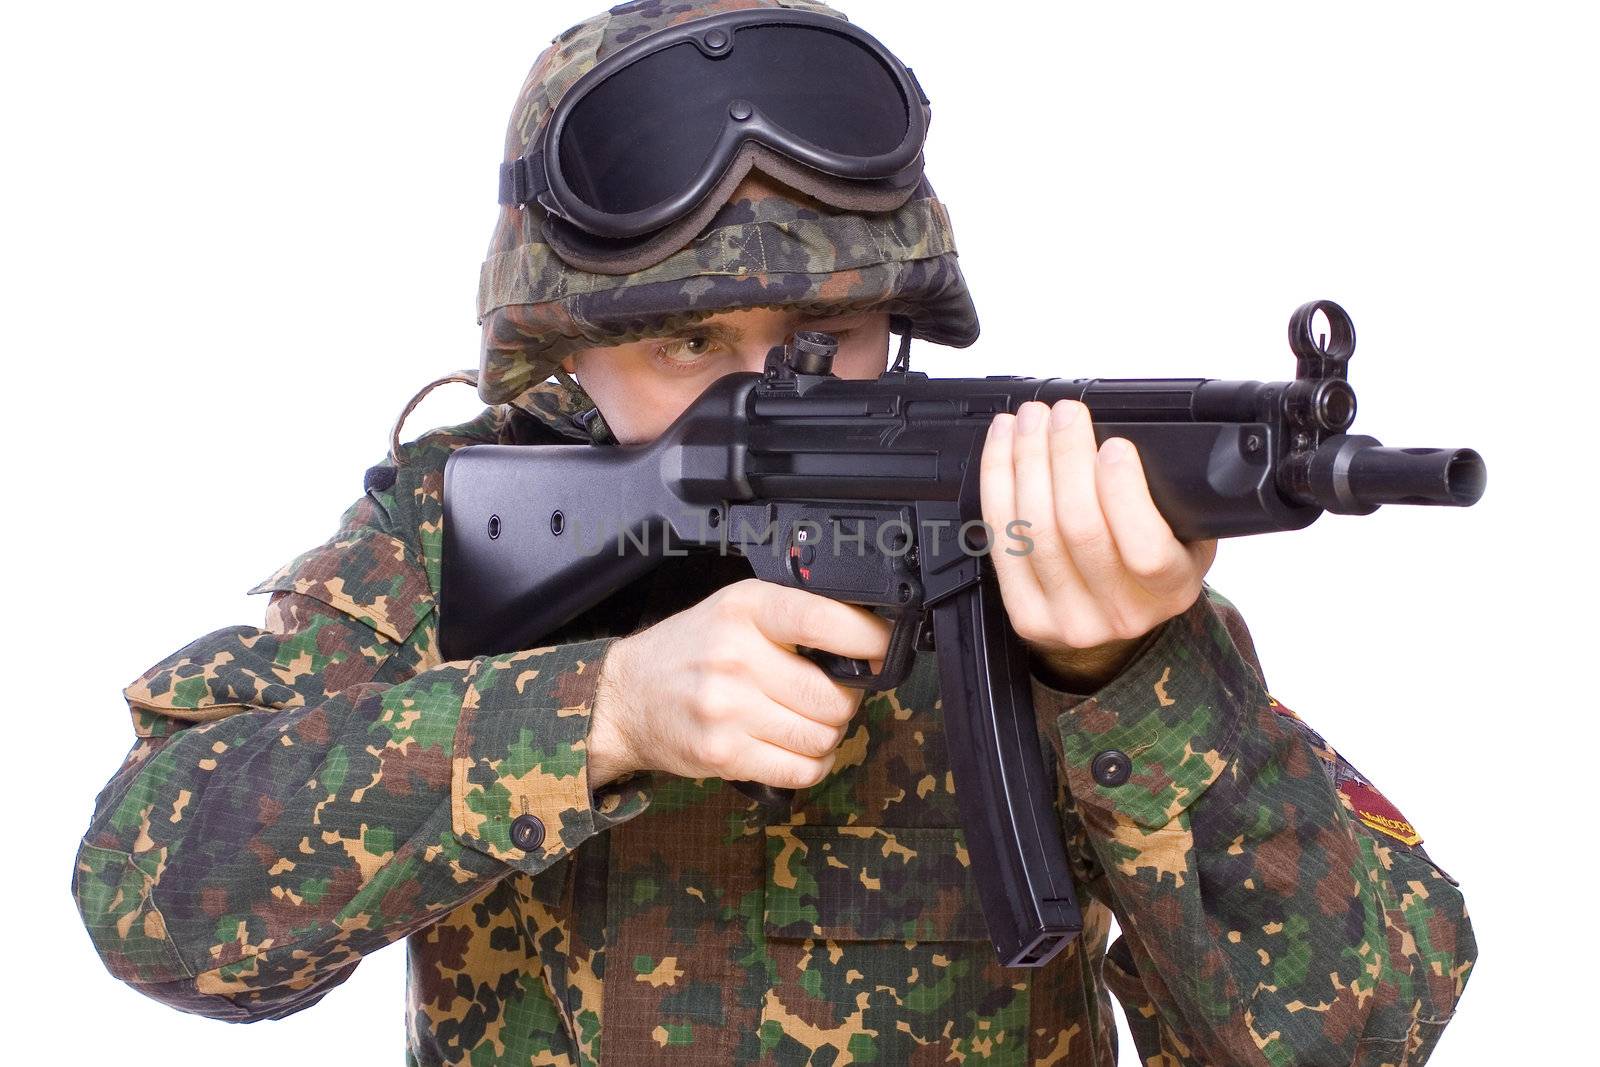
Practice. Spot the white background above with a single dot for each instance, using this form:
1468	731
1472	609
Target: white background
238	237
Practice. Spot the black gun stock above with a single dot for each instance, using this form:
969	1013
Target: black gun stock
866	491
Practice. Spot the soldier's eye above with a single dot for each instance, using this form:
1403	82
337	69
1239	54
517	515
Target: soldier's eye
683	353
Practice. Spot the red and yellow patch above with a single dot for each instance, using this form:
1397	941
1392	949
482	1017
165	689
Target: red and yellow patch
1374	809
1358	795
1280	709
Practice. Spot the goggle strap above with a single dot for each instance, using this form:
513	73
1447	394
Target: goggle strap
522	180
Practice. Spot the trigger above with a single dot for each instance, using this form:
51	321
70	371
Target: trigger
896	661
839	668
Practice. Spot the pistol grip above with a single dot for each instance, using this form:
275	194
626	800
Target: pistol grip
851	672
768	796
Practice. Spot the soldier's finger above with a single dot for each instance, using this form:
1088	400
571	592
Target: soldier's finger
778	725
1052	563
795	617
1025	602
1150	554
772	765
1078	515
796	683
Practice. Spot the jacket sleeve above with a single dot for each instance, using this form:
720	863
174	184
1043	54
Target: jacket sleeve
303	794
1275	909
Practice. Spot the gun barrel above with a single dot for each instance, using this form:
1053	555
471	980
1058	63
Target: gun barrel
1353	475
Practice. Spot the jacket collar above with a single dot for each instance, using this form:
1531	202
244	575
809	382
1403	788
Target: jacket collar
566	409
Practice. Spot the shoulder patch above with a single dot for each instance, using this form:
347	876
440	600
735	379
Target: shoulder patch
1360	797
1373	808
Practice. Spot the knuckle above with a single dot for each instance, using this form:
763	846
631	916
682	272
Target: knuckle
1149	567
714	700
1047	551
724	614
808	616
813	740
812	775
722	660
1127	631
1171	585
1185	597
1082	535
1034	630
803	774
788	776
840	707
1081	635
1125	625
1066	446
737	599
716	751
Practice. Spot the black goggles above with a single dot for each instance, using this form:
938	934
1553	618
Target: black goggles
639	142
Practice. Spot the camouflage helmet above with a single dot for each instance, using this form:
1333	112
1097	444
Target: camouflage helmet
770	246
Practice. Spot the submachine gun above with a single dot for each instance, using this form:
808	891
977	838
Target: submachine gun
866	491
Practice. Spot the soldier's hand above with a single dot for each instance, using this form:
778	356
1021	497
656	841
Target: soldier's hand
719	691
1104	568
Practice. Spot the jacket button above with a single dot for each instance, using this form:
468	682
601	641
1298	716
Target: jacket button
527	832
1111	767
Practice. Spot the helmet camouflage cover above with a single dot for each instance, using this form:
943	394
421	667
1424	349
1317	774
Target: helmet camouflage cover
768	247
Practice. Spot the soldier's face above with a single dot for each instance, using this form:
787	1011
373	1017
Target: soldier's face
642	387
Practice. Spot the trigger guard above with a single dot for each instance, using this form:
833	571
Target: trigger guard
896	661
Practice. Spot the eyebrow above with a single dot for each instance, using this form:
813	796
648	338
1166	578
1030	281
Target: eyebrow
732	335
850	317
717	330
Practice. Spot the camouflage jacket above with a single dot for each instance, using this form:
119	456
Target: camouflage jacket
306	792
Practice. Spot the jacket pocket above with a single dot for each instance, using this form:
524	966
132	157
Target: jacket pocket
879	950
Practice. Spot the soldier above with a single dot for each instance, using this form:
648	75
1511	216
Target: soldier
552	830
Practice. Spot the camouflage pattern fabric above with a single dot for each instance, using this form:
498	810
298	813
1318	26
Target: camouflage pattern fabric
301	794
769	247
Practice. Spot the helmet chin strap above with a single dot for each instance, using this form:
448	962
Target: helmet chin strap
902	359
567	380
590	417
